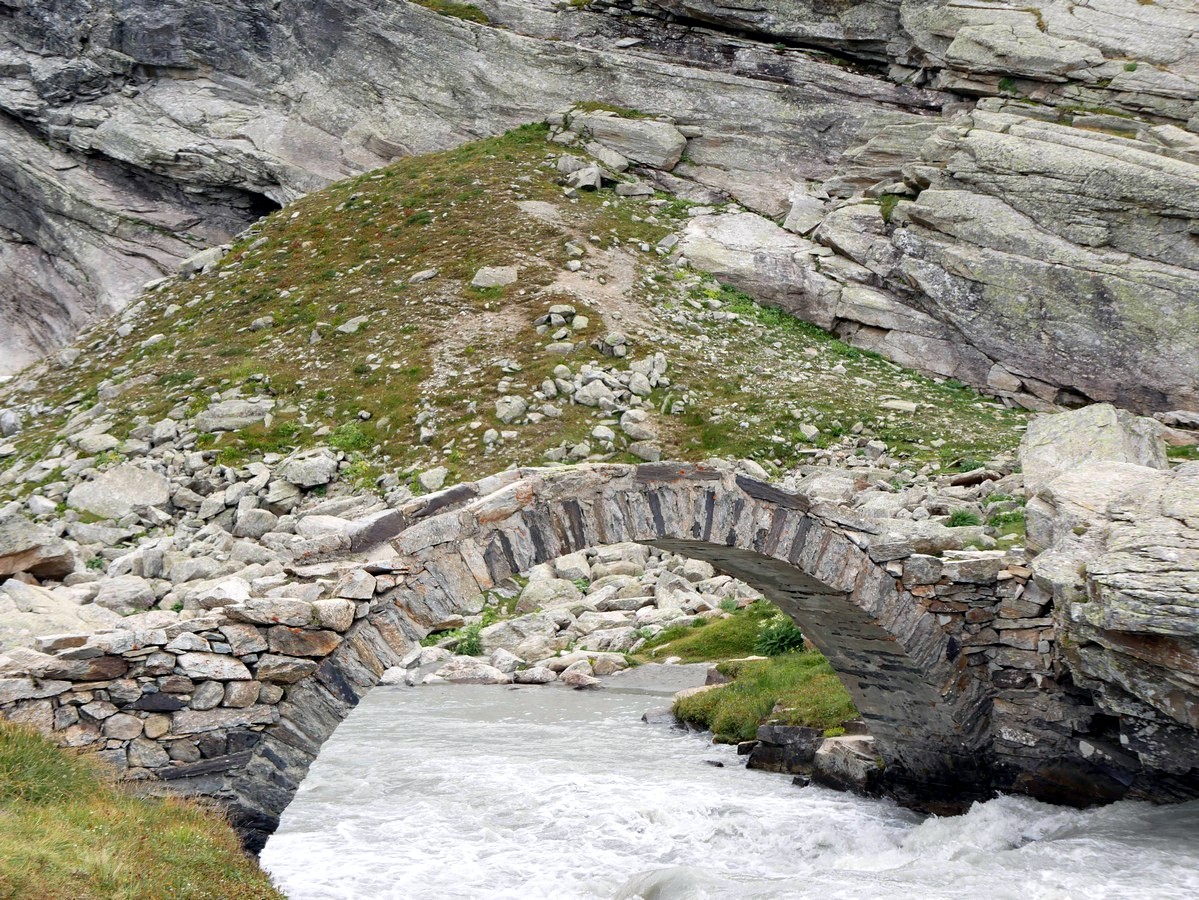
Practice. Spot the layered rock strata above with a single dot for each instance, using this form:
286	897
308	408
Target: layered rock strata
1041	245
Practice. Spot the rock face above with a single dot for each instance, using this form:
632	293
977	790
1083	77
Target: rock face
1081	282
179	123
1122	567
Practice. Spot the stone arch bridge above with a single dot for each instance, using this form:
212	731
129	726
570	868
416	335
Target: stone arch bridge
957	709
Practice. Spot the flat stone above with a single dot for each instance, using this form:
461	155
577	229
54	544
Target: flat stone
188	721
233	415
119	491
494	276
212	665
301	642
272	611
284	669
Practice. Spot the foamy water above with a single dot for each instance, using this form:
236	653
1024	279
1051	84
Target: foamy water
495	792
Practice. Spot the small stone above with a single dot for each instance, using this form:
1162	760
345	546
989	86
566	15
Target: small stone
510	408
494	276
433	479
337	615
240	694
122	726
353	325
147	754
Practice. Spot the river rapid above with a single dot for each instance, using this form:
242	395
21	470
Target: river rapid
447	792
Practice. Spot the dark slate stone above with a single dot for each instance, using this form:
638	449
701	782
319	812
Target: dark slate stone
157	702
205	767
760	490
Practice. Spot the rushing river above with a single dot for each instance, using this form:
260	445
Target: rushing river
493	792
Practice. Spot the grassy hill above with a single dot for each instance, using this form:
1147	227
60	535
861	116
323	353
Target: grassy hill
322	307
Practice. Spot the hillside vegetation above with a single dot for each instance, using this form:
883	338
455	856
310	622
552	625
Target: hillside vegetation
352	310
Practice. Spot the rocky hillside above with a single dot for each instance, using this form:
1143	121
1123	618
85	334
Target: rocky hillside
465	312
999	194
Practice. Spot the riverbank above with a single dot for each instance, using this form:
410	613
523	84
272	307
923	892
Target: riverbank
67	833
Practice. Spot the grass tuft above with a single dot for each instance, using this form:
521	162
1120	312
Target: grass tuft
798	689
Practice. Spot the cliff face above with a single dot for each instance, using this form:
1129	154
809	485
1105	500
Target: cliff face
1043	243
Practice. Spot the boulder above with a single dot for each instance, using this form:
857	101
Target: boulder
506	662
511	634
10	422
535	675
510	408
647	141
119	491
468	670
231	415
126	594
308	469
26	547
1055	444
548	593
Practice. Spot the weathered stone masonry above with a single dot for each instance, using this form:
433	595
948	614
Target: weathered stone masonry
951	660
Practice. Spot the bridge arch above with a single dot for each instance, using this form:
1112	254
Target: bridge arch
927	709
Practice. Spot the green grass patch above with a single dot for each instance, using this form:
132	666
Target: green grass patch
887	204
797	689
349	437
468	12
620	111
66	833
962	518
713	639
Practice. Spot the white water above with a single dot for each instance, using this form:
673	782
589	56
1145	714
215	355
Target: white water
490	792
